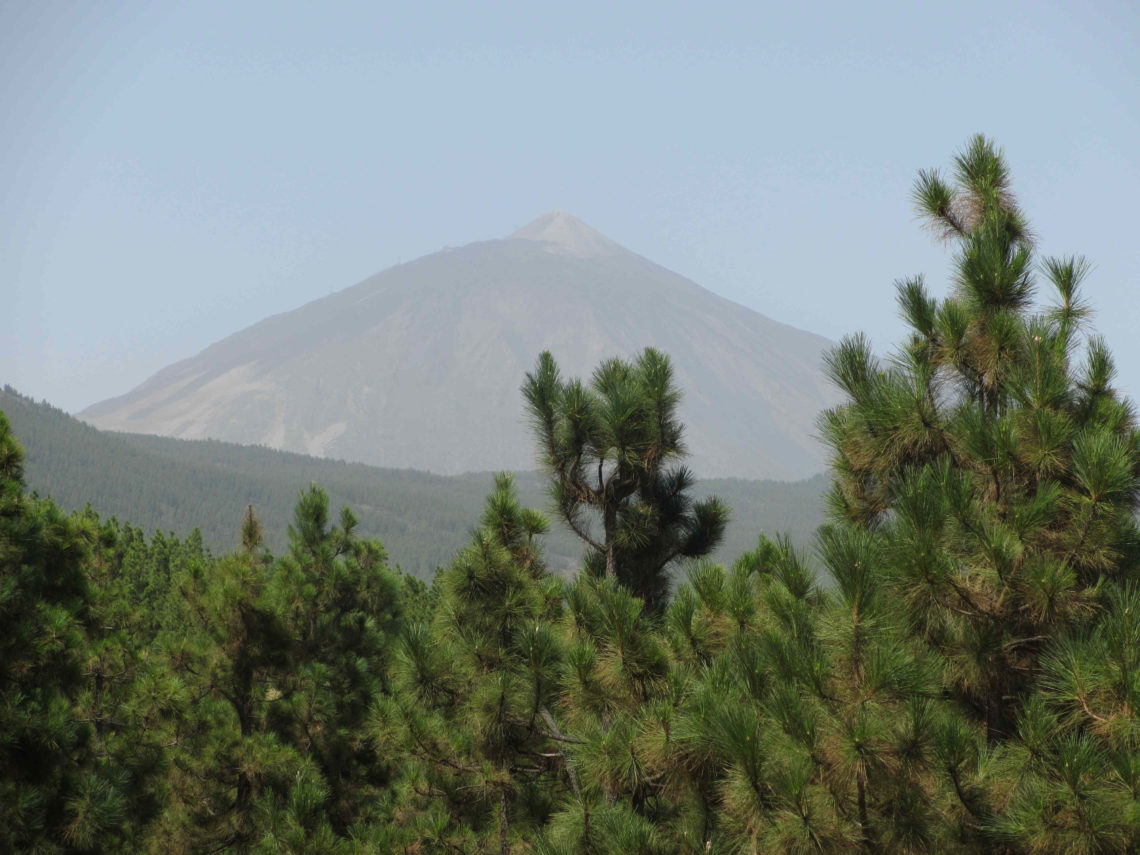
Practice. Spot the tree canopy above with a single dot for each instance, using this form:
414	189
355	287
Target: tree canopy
951	665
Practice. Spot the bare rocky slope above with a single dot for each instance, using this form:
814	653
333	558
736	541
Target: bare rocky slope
420	365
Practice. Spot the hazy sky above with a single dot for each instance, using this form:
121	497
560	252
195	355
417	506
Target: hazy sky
172	173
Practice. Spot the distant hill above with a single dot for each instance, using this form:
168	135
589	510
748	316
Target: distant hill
423	519
420	365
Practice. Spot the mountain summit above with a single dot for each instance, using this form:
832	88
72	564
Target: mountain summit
565	233
420	366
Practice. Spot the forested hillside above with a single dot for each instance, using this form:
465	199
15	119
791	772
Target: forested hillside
176	485
968	680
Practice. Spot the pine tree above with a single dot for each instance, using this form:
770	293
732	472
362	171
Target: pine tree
610	448
475	689
339	605
616	697
55	793
229	775
1003	475
131	697
998	472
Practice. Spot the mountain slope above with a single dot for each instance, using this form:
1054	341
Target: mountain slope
423	519
420	366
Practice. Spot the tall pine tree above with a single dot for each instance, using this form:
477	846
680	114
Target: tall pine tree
611	449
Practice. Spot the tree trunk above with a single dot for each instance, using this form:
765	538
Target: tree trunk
610	523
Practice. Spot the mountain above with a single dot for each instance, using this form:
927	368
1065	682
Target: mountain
420	365
176	485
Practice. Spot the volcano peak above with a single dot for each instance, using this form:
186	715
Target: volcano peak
564	233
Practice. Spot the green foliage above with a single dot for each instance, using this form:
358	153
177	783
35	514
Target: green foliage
473	691
340	608
173	485
953	667
999	477
78	762
55	792
607	449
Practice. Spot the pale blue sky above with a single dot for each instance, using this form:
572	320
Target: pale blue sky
172	173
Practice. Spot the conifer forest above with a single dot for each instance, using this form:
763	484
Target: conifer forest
950	665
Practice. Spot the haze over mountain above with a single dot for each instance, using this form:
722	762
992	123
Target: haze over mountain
420	365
